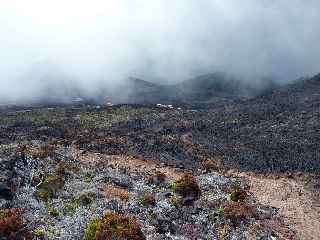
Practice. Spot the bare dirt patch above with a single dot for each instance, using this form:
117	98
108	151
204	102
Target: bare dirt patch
294	200
130	164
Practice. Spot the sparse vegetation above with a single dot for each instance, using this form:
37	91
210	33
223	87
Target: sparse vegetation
81	151
48	188
85	198
38	152
52	211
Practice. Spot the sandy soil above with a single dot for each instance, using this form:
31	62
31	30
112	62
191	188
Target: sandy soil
296	202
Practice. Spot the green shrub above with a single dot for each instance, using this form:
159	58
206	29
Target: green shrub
114	226
186	186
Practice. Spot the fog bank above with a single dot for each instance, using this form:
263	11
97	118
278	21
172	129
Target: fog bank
51	47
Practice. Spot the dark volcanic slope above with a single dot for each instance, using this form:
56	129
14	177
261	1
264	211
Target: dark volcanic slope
278	131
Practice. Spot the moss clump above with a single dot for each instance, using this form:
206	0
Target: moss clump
48	188
187	186
53	212
39	233
148	200
114	226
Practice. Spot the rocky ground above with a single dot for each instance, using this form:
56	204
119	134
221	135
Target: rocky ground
63	189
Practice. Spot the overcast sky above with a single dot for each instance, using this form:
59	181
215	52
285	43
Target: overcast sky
86	42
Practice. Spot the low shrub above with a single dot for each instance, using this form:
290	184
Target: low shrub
238	194
186	186
116	192
237	211
39	233
175	201
12	225
114	226
157	178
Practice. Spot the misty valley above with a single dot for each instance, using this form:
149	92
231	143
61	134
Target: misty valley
159	120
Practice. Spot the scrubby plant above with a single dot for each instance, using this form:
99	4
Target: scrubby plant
39	233
114	226
148	200
157	178
93	229
186	186
224	231
12	225
116	192
237	211
48	188
238	194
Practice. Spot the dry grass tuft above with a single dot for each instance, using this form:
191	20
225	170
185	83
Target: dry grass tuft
111	191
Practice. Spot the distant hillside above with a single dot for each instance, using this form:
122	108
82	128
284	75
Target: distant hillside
208	88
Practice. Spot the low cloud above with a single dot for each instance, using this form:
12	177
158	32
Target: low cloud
58	46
